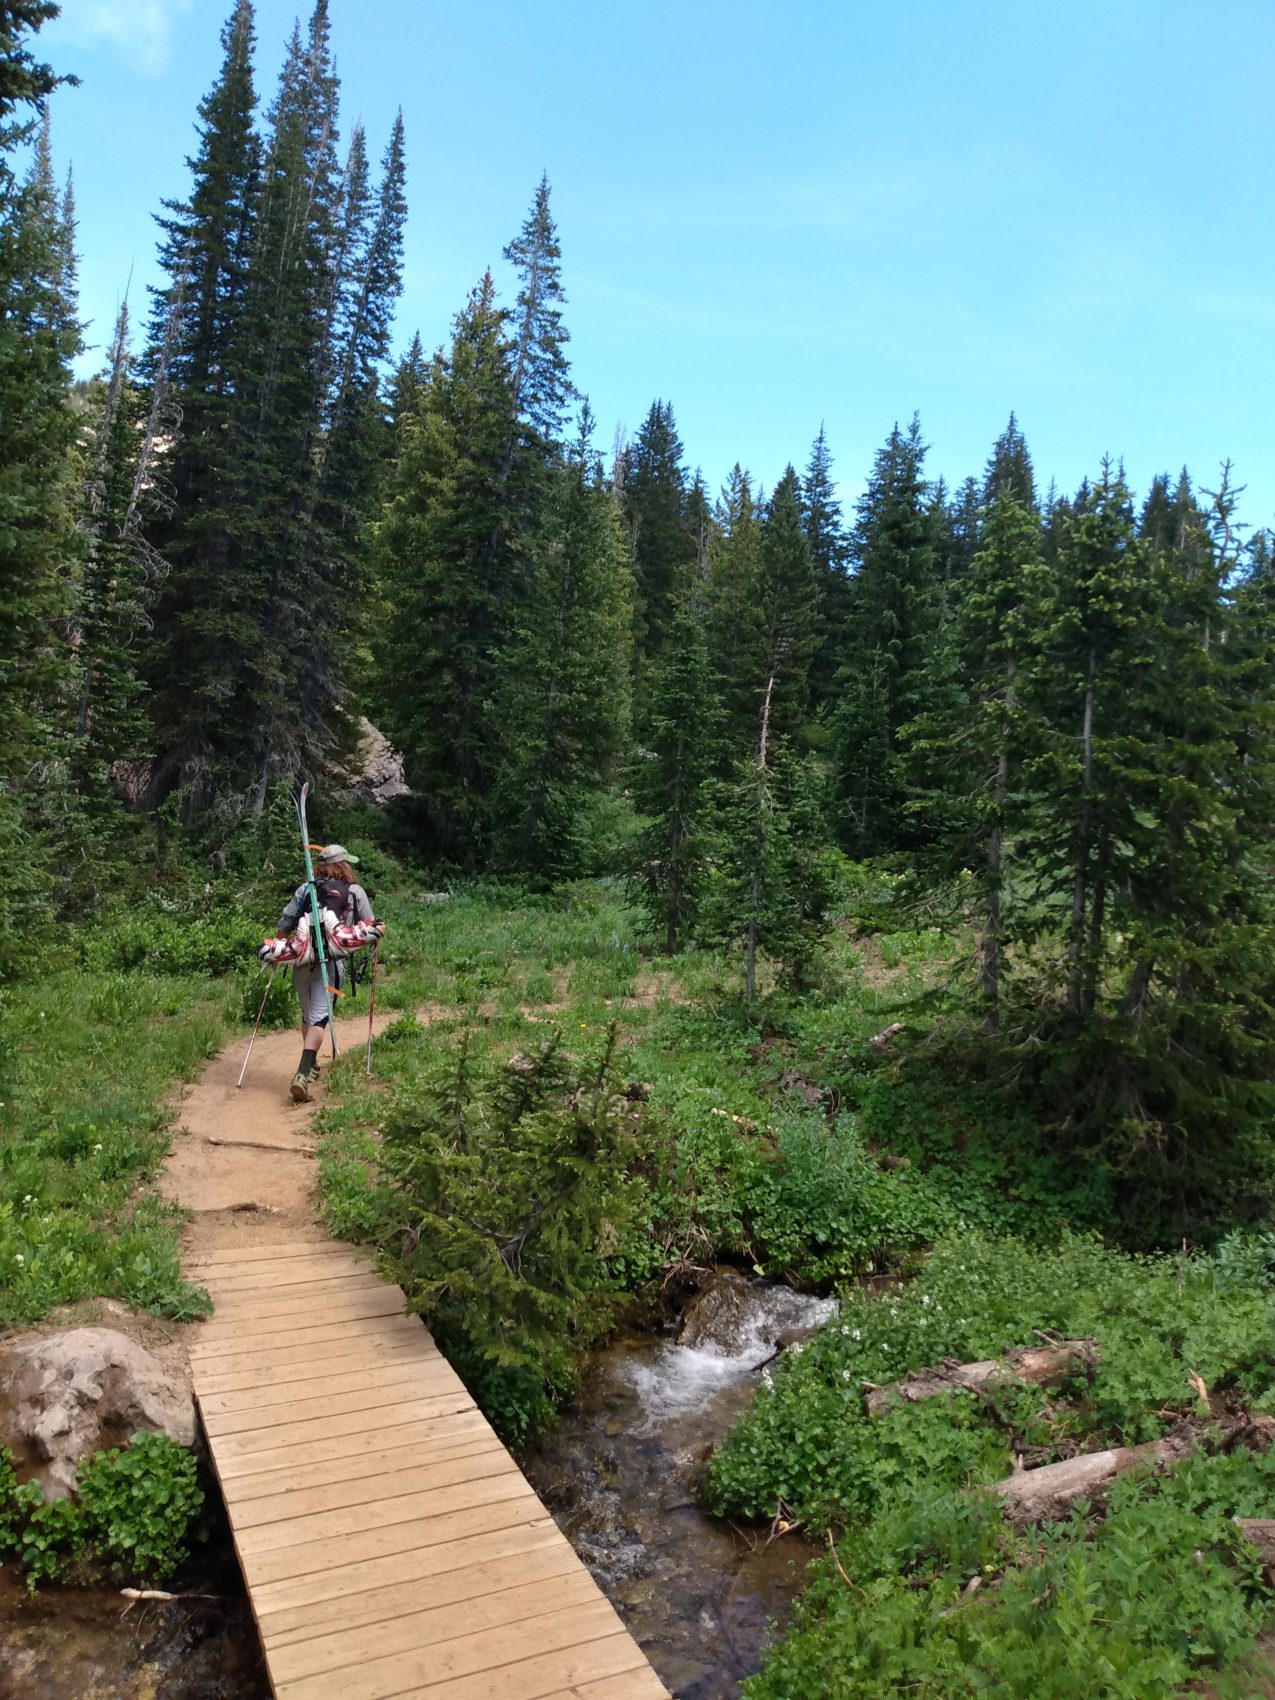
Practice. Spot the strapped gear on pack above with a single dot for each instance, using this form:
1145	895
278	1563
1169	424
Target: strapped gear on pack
341	938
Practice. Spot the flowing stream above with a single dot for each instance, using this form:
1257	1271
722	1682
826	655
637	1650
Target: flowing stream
619	1472
83	1644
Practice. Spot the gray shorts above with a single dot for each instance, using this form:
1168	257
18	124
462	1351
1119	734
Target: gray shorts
310	993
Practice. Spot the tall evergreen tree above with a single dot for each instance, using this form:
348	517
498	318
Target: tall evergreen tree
661	541
118	577
830	554
789	609
456	579
565	697
541	372
735	622
205	615
885	675
1009	471
38	338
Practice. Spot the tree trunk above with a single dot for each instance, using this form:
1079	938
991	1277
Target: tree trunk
1049	1492
1043	1365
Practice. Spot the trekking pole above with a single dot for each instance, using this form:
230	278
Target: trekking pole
260	1013
371	1002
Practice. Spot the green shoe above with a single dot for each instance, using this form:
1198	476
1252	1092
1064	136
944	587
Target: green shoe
301	1087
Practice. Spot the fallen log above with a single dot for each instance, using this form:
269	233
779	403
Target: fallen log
1045	1365
1048	1492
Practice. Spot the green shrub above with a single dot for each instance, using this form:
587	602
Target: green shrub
138	1503
51	1536
1133	1608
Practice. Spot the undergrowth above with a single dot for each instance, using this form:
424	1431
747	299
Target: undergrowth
86	1062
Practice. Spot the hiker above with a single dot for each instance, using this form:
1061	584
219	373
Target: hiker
339	889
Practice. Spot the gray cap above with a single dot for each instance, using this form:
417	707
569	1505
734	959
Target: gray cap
336	853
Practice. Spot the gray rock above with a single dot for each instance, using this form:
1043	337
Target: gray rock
376	772
719	1315
64	1396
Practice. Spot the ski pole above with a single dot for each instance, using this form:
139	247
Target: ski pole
371	1003
321	954
260	1013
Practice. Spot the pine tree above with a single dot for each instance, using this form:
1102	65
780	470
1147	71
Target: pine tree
789	607
291	690
829	553
565	696
541	373
456	579
661	541
966	750
205	617
118	578
670	781
884	679
771	890
38	339
735	621
1009	470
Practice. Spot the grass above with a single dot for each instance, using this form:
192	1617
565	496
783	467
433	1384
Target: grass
88	1060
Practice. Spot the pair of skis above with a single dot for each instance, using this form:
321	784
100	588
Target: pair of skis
329	990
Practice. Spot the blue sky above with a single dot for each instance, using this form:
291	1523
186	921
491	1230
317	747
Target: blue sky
774	215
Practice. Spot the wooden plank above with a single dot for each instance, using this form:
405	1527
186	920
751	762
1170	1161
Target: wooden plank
266	1252
494	1654
334	1334
312	1598
255	1454
284	1272
265	1373
537	1678
380	1333
293	1302
449	1457
367	1545
217	1334
417	1630
263	1396
233	1289
642	1684
403	1473
431	1391
419	1511
457	1588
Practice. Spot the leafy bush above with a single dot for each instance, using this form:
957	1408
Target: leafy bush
278	1006
51	1535
209	942
138	1504
133	1515
1132	1609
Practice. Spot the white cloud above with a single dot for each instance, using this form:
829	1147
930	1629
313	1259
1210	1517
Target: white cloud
140	31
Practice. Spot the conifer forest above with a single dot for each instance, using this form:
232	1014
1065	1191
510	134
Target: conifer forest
873	896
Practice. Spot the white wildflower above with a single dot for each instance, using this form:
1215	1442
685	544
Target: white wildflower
925	1298
855	1335
845	1375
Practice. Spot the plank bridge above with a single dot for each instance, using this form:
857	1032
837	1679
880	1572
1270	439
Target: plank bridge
390	1544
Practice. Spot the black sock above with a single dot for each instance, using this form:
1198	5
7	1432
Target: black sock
309	1060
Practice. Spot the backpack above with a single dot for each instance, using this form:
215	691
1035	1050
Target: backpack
334	894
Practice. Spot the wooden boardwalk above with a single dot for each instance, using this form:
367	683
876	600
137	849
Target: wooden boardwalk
389	1543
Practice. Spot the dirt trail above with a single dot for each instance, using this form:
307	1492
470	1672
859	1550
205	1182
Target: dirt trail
242	1161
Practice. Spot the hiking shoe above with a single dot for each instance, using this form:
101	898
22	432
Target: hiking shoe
301	1087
